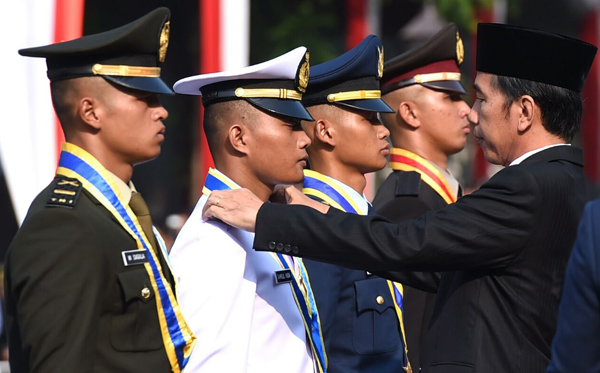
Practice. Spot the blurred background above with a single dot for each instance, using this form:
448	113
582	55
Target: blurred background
214	35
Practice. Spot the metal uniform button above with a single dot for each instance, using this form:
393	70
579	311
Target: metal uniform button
272	245
295	249
287	249
379	300
279	246
145	293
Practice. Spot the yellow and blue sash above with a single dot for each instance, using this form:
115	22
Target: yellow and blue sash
300	283
404	160
321	188
177	337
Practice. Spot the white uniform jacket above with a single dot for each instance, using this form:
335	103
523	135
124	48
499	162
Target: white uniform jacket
243	320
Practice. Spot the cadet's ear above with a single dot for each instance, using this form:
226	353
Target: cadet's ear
528	112
409	112
89	110
325	131
236	137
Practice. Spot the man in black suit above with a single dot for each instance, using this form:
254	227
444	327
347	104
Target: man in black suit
503	248
88	286
429	124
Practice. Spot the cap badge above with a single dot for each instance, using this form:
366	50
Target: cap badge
460	49
164	41
304	73
380	62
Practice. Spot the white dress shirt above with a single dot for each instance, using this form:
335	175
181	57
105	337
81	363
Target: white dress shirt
243	320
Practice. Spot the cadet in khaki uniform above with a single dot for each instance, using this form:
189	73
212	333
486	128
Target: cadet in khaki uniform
430	124
88	286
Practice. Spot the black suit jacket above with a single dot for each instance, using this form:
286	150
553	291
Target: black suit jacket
504	248
71	304
402	196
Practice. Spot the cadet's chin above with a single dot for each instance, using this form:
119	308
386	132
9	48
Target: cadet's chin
150	157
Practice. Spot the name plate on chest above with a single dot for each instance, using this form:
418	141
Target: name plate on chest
283	277
134	257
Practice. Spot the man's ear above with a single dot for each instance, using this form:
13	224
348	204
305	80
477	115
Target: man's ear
528	112
324	131
237	137
89	111
409	112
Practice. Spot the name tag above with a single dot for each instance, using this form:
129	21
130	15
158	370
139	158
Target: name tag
283	276
134	257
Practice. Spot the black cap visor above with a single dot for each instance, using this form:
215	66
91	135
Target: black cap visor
375	104
154	85
288	108
446	85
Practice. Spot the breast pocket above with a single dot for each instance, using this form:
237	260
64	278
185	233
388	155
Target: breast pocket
134	325
375	327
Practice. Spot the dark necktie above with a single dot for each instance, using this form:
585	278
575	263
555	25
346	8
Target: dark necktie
140	209
371	209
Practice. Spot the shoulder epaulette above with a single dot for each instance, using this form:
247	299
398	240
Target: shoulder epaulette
65	192
408	183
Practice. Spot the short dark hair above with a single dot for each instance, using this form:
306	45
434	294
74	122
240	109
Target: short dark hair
561	108
58	92
218	115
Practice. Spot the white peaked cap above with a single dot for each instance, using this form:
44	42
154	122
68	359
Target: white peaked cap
282	67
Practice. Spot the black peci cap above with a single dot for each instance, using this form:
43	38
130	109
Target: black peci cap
276	85
435	64
351	79
129	55
533	55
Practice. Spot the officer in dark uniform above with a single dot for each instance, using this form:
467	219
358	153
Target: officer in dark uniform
429	124
87	284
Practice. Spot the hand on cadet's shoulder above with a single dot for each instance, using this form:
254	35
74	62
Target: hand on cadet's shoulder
292	195
237	207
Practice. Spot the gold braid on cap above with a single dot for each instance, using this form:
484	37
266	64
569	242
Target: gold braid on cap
125	70
286	94
353	95
434	77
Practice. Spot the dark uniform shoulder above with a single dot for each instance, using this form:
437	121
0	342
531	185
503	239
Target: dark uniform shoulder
398	184
64	192
407	183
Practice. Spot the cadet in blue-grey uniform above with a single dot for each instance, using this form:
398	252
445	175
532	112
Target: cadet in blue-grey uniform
360	312
88	286
252	312
429	124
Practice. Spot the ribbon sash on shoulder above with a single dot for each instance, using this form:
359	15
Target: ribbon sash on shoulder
177	337
321	188
404	160
300	283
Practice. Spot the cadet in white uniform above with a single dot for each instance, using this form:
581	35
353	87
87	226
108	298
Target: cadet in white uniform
251	311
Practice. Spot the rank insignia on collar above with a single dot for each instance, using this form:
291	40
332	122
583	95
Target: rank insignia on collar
65	193
283	276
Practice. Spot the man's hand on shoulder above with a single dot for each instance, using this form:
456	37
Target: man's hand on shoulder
291	195
237	208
